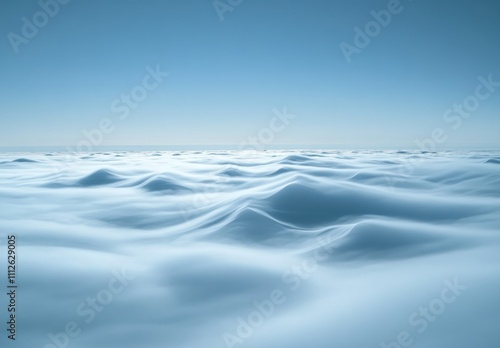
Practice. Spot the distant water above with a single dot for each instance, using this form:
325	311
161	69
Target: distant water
270	249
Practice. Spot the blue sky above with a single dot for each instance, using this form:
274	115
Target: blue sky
227	76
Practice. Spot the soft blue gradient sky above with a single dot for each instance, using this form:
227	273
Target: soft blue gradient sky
227	76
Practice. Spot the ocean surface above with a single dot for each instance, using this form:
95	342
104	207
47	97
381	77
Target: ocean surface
273	249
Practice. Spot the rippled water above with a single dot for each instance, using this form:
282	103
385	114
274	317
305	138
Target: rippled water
272	249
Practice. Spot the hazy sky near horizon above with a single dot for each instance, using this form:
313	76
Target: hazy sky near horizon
93	61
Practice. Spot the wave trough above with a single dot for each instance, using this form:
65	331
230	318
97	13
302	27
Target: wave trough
356	242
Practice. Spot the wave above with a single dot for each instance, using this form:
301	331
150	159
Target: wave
210	236
98	178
